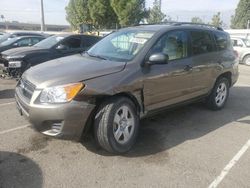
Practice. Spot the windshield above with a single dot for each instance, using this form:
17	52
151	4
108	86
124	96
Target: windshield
247	42
49	42
121	46
4	37
9	41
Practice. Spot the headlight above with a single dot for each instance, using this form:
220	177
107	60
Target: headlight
60	94
15	64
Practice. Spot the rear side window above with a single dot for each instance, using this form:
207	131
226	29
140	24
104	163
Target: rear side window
201	42
222	41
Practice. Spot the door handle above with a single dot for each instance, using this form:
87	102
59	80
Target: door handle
188	68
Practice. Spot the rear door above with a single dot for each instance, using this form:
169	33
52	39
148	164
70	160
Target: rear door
169	83
204	61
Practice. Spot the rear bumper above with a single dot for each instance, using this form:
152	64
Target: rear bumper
65	121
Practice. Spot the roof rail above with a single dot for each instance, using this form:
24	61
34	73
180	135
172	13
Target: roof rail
186	23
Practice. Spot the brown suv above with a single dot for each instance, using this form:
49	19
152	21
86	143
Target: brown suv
126	76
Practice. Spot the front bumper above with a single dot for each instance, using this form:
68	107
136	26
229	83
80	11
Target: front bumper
65	121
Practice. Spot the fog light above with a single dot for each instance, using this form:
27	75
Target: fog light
55	129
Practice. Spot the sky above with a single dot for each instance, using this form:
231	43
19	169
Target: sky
29	10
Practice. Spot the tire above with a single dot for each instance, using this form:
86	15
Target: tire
246	60
115	130
219	95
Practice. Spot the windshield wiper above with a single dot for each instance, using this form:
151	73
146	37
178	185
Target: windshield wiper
97	56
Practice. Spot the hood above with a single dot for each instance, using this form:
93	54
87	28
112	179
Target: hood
70	69
4	48
23	51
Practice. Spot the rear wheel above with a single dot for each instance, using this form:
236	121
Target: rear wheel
116	125
246	60
219	95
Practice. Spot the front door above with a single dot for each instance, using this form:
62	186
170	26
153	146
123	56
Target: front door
170	83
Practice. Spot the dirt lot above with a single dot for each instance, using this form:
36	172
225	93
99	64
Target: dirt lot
185	147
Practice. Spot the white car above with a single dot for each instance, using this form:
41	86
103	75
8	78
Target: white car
242	46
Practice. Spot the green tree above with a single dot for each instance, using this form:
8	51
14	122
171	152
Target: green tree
216	20
129	12
242	15
196	20
155	14
77	13
102	14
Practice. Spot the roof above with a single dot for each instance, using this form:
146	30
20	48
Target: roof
168	25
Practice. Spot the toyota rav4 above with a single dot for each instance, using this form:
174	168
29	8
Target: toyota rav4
126	76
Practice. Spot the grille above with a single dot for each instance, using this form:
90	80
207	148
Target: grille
26	88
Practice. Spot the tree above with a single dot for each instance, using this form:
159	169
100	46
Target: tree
102	14
78	13
196	20
129	12
242	15
155	14
216	20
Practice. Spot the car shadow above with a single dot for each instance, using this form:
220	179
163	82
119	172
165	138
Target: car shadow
173	127
7	94
19	171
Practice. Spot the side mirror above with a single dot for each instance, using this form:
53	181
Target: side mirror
61	47
158	59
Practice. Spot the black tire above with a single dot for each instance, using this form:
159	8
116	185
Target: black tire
104	125
211	101
246	60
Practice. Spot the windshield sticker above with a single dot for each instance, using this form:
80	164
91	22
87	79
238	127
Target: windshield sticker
138	40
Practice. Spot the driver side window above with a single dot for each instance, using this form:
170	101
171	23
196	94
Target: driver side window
71	43
173	44
24	42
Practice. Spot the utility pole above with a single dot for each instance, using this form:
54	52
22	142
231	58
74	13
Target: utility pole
42	17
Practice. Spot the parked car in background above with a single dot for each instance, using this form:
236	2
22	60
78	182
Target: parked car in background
20	42
128	75
242	46
7	36
16	61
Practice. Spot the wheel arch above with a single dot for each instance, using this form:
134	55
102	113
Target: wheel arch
227	75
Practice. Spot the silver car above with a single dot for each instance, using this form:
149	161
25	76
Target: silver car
242	46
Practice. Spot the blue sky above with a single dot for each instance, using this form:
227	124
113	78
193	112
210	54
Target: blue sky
29	10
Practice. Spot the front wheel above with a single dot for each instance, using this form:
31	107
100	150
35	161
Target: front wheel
246	60
116	125
219	95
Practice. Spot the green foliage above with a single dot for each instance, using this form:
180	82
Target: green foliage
105	13
78	13
102	14
129	12
242	15
155	14
216	20
197	20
